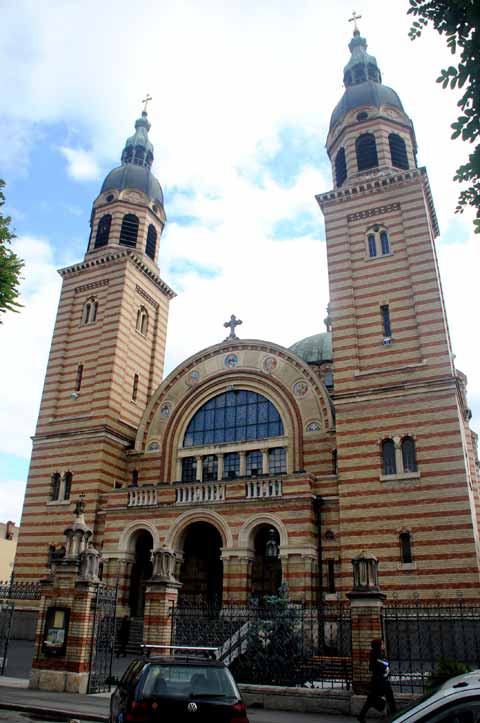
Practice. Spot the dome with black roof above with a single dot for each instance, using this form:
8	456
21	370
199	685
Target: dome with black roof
314	349
363	83
137	159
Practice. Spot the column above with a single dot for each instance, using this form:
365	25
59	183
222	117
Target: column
398	454
264	461
199	469
220	466
243	464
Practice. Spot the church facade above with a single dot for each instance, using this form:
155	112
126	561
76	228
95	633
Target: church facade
252	465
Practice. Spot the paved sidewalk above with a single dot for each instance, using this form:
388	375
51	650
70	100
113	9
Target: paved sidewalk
14	695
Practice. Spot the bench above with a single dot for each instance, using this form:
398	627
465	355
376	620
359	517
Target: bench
328	667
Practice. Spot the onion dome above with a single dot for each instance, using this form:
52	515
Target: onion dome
363	83
137	159
314	349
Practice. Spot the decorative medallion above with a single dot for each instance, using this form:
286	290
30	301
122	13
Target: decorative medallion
300	388
231	361
314	426
269	364
165	409
153	447
193	378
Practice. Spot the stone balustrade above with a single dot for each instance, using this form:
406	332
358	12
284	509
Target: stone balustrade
142	497
256	488
191	493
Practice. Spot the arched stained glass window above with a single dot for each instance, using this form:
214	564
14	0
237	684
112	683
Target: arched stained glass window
388	457
129	230
103	231
56	480
234	416
372	246
366	148
398	151
151	245
384	243
408	455
340	167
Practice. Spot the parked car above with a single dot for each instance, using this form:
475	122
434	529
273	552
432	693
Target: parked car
176	689
456	701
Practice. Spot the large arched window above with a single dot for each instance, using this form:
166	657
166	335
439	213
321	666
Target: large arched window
129	230
398	151
388	457
366	149
103	231
89	314
340	167
142	321
151	245
234	416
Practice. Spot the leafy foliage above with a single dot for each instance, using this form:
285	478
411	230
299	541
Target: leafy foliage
10	264
447	668
459	20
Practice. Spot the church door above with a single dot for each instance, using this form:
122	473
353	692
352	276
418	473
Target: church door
202	571
141	572
267	567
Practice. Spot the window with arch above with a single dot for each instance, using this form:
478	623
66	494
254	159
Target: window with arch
409	457
129	230
61	487
79	378
388	457
378	242
398	151
142	321
151	245
234	416
103	231
55	487
340	167
67	485
366	150
134	478
90	309
139	156
406	555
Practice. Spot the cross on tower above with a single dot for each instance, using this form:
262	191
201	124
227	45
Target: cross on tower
354	19
146	100
232	324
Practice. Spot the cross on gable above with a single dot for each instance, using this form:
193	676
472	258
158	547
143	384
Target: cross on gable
354	19
146	100
232	324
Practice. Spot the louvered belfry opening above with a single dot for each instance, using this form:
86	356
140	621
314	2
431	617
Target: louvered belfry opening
151	245
103	231
366	148
129	230
340	167
398	151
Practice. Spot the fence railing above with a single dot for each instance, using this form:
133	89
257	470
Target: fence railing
186	494
425	637
19	591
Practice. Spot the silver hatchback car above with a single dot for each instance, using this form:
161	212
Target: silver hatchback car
456	701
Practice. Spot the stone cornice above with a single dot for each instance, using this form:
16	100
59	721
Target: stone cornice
89	263
378	183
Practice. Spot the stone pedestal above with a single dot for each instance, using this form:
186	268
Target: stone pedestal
160	596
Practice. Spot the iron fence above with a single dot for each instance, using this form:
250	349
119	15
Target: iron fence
277	644
426	640
103	639
19	590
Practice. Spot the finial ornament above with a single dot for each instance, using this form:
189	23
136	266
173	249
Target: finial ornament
354	19
232	324
146	100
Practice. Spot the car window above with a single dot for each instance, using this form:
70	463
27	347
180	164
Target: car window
464	710
132	673
187	681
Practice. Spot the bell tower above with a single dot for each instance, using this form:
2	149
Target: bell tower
106	357
407	477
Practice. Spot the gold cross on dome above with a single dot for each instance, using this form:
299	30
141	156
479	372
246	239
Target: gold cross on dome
146	100
354	19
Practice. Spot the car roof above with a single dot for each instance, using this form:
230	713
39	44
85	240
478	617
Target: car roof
184	660
470	680
453	688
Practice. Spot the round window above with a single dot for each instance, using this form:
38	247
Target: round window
110	198
362	116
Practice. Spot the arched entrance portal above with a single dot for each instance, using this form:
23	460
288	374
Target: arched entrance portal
267	566
202	571
141	572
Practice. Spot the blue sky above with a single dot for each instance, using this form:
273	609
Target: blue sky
242	97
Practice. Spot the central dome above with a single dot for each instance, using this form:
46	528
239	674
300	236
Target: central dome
136	177
314	349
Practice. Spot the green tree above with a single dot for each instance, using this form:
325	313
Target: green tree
459	21
10	264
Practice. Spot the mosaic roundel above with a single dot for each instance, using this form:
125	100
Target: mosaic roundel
193	378
300	388
314	426
165	409
231	361
269	364
153	447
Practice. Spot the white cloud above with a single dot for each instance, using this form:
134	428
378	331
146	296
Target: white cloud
11	500
82	165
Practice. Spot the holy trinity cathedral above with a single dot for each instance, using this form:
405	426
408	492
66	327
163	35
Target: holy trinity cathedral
253	465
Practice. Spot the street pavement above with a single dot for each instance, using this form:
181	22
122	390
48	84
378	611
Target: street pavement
16	701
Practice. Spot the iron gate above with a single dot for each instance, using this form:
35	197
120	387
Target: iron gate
103	639
10	593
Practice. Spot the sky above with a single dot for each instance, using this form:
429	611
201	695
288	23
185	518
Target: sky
242	98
